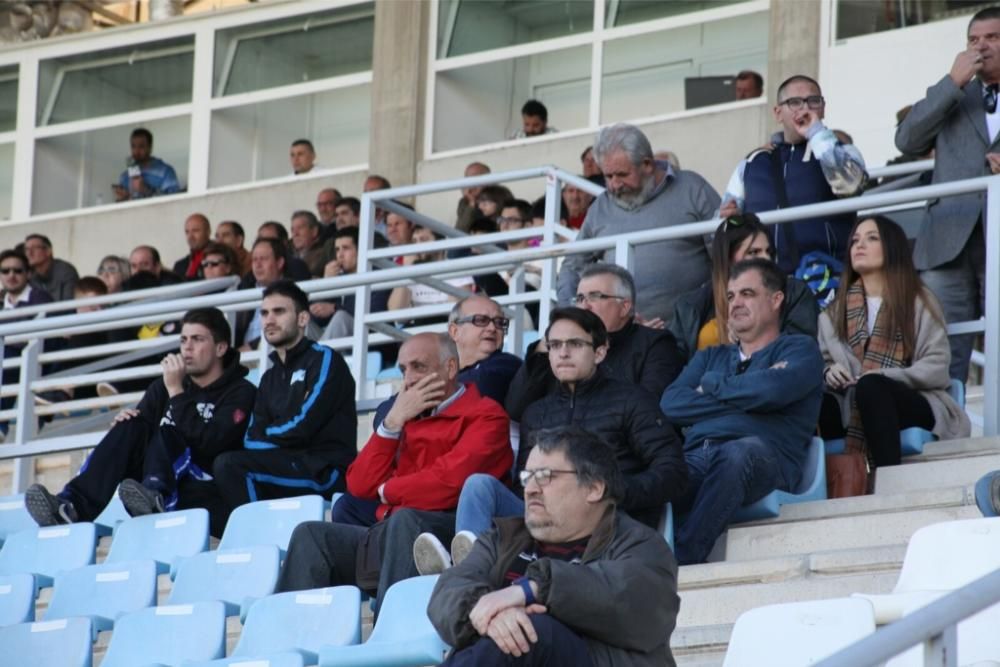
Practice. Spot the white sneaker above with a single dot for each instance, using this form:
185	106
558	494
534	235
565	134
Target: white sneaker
461	545
429	554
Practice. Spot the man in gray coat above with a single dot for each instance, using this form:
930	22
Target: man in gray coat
575	582
959	119
644	193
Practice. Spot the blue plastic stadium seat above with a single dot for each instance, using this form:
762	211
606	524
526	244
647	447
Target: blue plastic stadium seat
111	516
667	525
103	592
286	659
45	552
389	374
17	599
14	516
165	538
269	521
228	575
403	635
812	486
300	622
170	635
62	643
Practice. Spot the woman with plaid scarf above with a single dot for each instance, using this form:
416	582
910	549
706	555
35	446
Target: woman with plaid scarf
885	350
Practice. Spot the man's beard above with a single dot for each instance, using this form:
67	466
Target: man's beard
632	201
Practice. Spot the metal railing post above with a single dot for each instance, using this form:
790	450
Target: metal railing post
517	321
625	254
547	289
991	372
942	650
27	425
362	298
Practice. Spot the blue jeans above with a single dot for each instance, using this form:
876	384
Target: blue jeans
484	498
722	478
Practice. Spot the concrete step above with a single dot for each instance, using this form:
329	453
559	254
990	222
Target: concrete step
700	646
934	474
950	449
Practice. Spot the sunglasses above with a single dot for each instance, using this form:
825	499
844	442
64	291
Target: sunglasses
10	269
212	263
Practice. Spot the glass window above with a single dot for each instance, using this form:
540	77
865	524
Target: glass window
8	98
470	26
6	179
109	82
295	50
863	17
626	12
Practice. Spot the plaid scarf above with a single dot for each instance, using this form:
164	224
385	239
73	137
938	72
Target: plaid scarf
876	350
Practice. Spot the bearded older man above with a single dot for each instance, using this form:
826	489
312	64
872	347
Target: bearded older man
644	193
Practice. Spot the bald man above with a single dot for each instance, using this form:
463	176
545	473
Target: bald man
197	233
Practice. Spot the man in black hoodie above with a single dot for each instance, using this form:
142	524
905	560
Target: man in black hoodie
198	409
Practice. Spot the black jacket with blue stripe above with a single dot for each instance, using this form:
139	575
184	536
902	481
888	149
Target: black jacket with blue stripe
306	404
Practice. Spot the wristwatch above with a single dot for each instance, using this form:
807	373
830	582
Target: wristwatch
529	595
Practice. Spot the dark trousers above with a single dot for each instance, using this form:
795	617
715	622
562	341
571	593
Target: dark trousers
557	645
132	449
886	407
325	554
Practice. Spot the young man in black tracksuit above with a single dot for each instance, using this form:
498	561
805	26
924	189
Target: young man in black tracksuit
198	409
303	433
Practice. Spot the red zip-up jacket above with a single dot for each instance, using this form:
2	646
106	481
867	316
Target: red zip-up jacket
425	468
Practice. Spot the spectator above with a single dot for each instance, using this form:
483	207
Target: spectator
534	121
588	165
337	315
395	491
577	202
701	317
295	268
55	276
419	294
114	271
399	231
303	433
645	194
268	269
349	213
197	234
146	176
638	355
491	199
750	409
302	156
231	233
668	156
307	242
885	348
749	85
194	412
326	211
574	582
950	250
805	163
466	211
146	259
219	261
372	183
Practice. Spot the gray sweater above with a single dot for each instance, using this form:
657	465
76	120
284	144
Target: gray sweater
663	271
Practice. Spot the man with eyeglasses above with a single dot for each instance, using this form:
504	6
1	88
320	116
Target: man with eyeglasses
958	120
326	211
219	261
805	163
570	581
56	276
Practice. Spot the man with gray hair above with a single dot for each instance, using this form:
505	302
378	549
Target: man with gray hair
407	478
645	193
548	588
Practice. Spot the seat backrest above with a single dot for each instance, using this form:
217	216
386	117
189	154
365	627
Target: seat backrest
302	621
161	537
227	575
17	599
813	480
946	556
103	592
403	615
45	552
957	391
113	514
170	634
804	632
62	643
269	521
14	516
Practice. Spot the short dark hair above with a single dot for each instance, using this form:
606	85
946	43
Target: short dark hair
523	209
584	319
17	254
798	77
39	237
353	202
280	228
213	320
986	14
483	225
750	74
588	455
535	108
304	142
381	179
351	233
289	289
770	274
91	285
277	247
538	209
309	216
142	132
237	228
153	252
228	254
583	155
620	273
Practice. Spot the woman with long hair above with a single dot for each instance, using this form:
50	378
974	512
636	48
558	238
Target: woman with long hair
886	350
701	317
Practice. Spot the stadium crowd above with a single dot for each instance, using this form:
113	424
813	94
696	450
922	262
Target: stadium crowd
698	379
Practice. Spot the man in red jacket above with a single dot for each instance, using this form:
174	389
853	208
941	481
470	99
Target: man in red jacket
407	478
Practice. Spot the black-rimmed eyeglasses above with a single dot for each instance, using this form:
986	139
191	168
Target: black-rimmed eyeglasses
542	476
795	103
482	321
594	297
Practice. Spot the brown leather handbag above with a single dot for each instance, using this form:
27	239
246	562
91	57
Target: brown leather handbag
847	475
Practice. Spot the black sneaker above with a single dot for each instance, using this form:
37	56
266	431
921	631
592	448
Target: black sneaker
138	500
47	509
